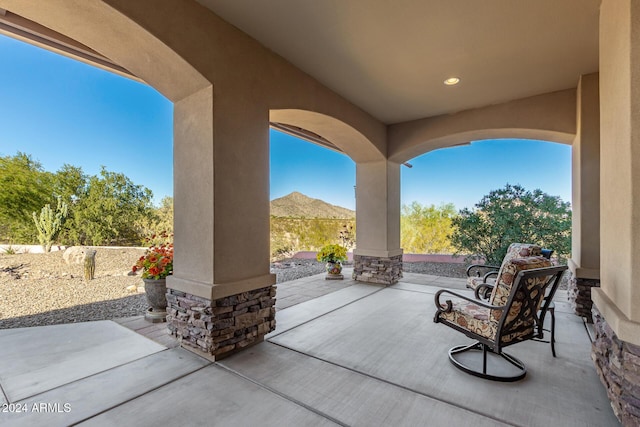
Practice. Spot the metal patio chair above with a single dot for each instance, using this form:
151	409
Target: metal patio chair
482	286
514	313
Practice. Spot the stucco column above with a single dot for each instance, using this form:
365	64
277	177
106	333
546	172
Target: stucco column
220	295
620	166
585	245
616	309
378	256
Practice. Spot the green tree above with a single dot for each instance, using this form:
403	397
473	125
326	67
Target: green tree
509	215
427	229
290	234
110	210
70	184
26	187
159	221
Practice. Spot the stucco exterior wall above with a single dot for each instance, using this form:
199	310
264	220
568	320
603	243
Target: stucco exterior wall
619	298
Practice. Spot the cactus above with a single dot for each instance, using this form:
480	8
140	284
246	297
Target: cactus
89	264
50	223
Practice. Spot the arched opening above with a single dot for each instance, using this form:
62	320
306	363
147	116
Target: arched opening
328	149
114	41
464	173
91	131
127	48
330	133
312	205
443	182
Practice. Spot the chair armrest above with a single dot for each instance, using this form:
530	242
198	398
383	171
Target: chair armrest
449	305
483	291
489	274
472	267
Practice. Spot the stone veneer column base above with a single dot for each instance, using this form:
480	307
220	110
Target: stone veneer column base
579	292
371	269
618	366
221	327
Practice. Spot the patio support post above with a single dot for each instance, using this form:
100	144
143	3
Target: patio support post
616	304
221	296
585	246
378	256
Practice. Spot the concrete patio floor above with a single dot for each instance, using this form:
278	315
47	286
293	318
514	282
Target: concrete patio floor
360	355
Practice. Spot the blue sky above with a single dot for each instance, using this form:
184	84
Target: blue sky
62	111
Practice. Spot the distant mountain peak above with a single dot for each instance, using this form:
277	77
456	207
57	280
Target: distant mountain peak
298	205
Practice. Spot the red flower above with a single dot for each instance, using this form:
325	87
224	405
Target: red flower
157	262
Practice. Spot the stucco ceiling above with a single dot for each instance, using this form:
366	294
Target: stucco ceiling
391	57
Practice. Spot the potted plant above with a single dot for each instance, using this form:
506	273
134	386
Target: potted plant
333	255
156	264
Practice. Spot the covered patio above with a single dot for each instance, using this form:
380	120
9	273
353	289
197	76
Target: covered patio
368	78
361	355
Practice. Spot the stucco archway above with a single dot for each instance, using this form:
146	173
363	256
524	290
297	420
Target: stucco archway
98	25
332	131
549	117
377	194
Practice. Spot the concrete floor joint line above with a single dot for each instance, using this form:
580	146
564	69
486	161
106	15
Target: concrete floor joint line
454	404
282	395
6	398
138	396
321	315
88	376
412	290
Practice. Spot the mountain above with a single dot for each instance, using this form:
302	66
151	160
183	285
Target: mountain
300	206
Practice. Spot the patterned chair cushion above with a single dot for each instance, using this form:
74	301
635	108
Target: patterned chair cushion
473	282
473	318
514	328
521	250
515	250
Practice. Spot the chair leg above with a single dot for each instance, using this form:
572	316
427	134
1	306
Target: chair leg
497	371
553	330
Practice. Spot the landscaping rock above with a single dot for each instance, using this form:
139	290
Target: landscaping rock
74	255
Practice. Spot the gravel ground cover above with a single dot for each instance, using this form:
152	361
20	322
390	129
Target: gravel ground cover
42	289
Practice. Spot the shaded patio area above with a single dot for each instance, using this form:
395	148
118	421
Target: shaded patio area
354	355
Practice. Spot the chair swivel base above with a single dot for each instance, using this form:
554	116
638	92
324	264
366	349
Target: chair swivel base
476	359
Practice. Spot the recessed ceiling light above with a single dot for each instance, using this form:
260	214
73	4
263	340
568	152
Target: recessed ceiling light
452	81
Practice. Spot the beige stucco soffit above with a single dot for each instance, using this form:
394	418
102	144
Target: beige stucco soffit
548	117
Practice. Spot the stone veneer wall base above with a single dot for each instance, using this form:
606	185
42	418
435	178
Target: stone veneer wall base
618	365
370	269
216	329
579	293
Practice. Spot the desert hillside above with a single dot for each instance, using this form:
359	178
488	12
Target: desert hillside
297	205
